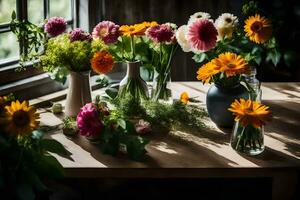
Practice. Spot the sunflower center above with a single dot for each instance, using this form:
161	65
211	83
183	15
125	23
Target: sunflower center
132	29
231	65
256	26
21	118
228	20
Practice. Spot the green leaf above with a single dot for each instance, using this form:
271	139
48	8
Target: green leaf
111	92
199	58
54	147
274	56
136	148
50	167
13	15
121	123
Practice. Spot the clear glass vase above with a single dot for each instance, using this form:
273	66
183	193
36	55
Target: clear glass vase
79	92
132	84
161	87
248	140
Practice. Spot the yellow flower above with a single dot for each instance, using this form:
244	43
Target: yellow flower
207	71
249	112
258	29
131	30
231	64
184	98
20	118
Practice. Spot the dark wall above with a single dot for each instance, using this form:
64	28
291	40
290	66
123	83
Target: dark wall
176	11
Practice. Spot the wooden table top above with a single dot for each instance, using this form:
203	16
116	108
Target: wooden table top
205	151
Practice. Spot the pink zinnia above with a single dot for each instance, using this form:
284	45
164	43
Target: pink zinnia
202	35
79	35
55	26
161	33
106	31
88	121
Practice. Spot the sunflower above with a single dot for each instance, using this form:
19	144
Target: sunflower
207	71
20	118
131	30
249	112
102	62
231	64
146	25
258	28
184	98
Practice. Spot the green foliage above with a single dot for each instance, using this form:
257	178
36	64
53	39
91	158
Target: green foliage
30	37
61	55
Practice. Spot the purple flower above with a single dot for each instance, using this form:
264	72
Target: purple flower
79	35
55	26
88	121
106	31
161	33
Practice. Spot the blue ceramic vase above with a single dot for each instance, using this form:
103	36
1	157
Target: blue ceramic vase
219	99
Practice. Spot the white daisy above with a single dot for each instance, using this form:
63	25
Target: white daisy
226	24
198	15
181	38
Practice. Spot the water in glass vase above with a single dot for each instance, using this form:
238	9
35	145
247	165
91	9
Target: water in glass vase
248	140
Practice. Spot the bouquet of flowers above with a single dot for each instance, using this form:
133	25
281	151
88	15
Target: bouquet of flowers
24	158
111	131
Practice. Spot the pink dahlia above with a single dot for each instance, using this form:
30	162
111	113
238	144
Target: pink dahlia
161	33
106	31
55	26
202	35
88	121
79	35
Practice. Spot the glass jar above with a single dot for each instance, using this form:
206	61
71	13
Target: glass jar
248	140
253	85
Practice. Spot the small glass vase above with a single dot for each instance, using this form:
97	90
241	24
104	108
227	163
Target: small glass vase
248	140
161	87
79	92
132	84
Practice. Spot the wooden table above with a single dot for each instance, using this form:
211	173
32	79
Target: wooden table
204	154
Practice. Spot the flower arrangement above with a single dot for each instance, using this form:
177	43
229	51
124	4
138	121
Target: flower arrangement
59	52
111	131
207	38
25	161
248	132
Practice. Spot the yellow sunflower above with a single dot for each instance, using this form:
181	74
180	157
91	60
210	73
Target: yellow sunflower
231	64
258	29
207	71
249	112
20	118
184	98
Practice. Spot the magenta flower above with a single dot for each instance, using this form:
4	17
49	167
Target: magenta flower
55	26
79	35
106	31
88	121
202	35
161	33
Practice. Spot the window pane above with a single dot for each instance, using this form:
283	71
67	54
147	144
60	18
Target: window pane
61	8
36	11
6	8
9	47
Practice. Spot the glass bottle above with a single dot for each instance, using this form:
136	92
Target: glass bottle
253	85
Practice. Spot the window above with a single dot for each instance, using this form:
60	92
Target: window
35	11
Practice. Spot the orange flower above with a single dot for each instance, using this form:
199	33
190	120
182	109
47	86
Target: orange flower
231	64
184	98
258	29
249	112
131	30
207	71
102	62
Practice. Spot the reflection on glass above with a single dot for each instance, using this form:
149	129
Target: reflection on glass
9	47
61	8
35	11
6	8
